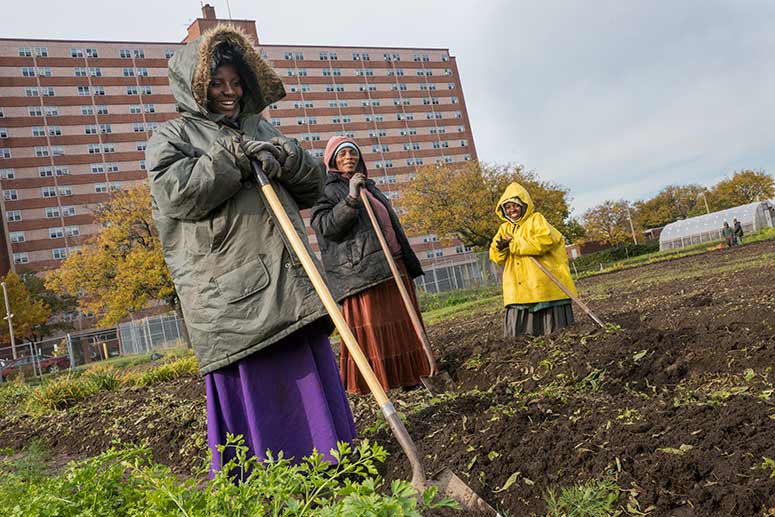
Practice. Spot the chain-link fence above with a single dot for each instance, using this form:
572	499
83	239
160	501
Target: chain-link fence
149	334
465	271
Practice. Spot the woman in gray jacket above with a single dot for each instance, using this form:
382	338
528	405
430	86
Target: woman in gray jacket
256	324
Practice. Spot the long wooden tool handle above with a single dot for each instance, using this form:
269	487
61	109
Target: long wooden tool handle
416	323
400	432
567	291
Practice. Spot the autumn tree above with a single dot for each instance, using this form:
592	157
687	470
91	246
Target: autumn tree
743	187
58	304
671	203
121	269
461	202
29	314
609	222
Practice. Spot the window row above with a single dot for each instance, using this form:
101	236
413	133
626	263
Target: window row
361	56
56	253
90	52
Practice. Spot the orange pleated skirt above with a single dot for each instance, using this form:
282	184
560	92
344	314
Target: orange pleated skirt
378	319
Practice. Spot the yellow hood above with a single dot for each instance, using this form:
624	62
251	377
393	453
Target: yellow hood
515	192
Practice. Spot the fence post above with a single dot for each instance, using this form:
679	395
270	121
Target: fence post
69	341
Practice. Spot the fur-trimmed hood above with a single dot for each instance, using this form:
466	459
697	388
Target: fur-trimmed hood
189	72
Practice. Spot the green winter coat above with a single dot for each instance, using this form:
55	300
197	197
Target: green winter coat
240	285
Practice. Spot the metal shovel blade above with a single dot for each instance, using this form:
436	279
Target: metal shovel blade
452	486
439	383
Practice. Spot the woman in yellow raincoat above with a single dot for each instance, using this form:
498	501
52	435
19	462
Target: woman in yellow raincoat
534	304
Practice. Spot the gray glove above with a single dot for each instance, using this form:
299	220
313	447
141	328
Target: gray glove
290	153
264	153
357	182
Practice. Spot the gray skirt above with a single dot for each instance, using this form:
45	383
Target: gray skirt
520	320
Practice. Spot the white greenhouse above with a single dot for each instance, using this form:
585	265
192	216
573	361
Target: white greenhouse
705	228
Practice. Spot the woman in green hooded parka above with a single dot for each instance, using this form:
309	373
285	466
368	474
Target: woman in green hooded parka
257	327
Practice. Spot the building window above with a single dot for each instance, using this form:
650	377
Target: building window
108	148
138	53
5	153
10	195
102	110
45	172
97	168
142	72
90	129
106	128
68	211
168	53
66	191
35	111
56	233
150	108
80	71
52	212
17	236
31	92
100	188
94	148
59	253
28	71
138	127
72	231
13	215
141	165
21	258
76	52
47	92
7	174
129	72
48	192
83	91
95	71
41	151
92	52
25	52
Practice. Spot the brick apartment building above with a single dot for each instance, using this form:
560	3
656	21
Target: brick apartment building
75	117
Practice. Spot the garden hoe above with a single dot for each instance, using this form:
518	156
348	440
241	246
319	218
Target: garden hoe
438	381
570	294
447	482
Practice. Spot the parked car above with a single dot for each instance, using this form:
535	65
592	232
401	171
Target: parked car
26	366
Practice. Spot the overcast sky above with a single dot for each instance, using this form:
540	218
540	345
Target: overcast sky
613	99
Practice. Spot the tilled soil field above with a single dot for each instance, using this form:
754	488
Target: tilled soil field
673	401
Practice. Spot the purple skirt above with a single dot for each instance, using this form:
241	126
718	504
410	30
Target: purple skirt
287	397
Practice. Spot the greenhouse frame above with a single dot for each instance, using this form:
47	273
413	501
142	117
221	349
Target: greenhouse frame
706	228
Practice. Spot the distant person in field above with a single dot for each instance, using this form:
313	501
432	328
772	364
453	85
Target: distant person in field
737	228
534	304
728	234
258	329
359	273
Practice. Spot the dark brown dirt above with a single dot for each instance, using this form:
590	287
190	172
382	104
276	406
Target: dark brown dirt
674	401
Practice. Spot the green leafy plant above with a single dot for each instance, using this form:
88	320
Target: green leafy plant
125	481
593	499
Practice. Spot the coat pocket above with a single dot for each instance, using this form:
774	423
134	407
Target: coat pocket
244	281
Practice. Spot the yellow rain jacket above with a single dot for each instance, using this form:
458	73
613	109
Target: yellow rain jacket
531	235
